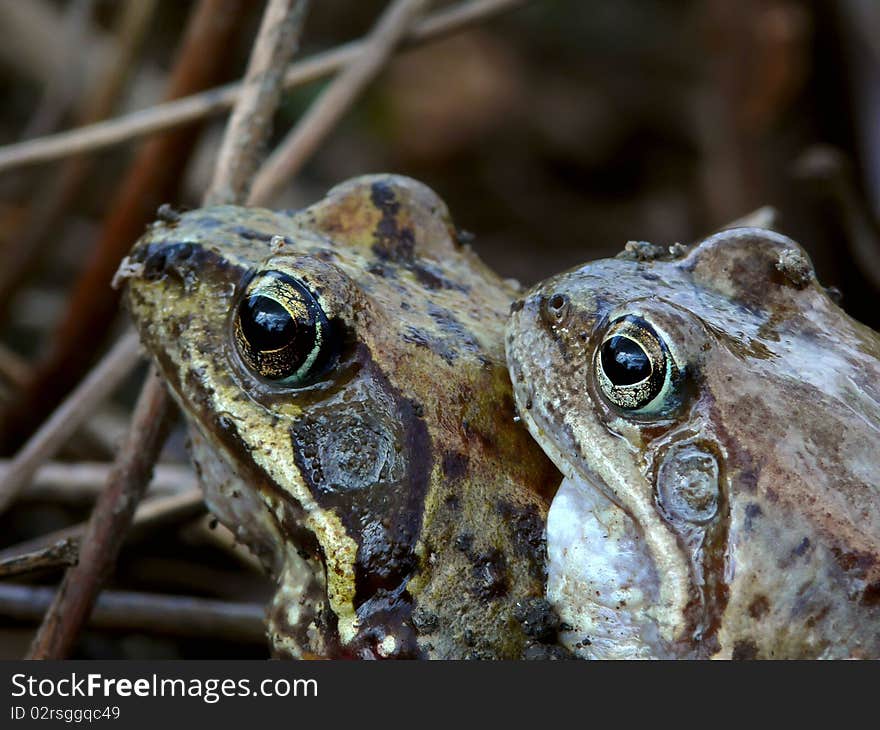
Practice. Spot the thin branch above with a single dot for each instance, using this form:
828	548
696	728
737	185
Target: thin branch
100	382
64	482
62	553
63	88
250	124
151	516
153	177
334	101
154	514
115	508
108	523
149	612
34	240
102	432
181	111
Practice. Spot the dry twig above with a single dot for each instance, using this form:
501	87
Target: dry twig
336	99
191	108
101	433
108	524
64	482
251	121
148	612
152	179
102	381
34	241
62	553
150	516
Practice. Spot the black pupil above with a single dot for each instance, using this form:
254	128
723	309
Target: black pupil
266	324
624	362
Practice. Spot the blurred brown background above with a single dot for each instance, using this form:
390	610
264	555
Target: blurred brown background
555	132
564	129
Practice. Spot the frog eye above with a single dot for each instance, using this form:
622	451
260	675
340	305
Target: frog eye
280	330
633	366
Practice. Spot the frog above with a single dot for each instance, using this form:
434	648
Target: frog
716	417
341	370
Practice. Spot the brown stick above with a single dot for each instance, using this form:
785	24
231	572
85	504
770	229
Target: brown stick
165	116
148	612
152	515
115	508
328	109
34	241
62	553
65	482
103	380
152	179
241	151
101	433
108	524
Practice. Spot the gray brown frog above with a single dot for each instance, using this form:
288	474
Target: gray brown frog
717	419
342	372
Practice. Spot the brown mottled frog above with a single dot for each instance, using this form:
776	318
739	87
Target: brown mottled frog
343	375
717	419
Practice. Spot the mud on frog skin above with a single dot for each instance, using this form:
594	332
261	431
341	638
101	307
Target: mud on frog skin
717	418
342	372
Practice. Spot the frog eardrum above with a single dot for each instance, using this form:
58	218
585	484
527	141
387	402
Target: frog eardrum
633	365
281	331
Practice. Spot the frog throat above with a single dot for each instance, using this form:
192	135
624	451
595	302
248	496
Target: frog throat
610	478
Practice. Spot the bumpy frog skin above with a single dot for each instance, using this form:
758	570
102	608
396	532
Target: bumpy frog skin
717	419
384	483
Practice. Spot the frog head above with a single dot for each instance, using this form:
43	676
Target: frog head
342	371
716	417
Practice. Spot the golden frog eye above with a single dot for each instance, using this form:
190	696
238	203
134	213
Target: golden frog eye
633	366
280	330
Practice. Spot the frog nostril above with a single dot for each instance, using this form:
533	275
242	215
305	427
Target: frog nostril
557	306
